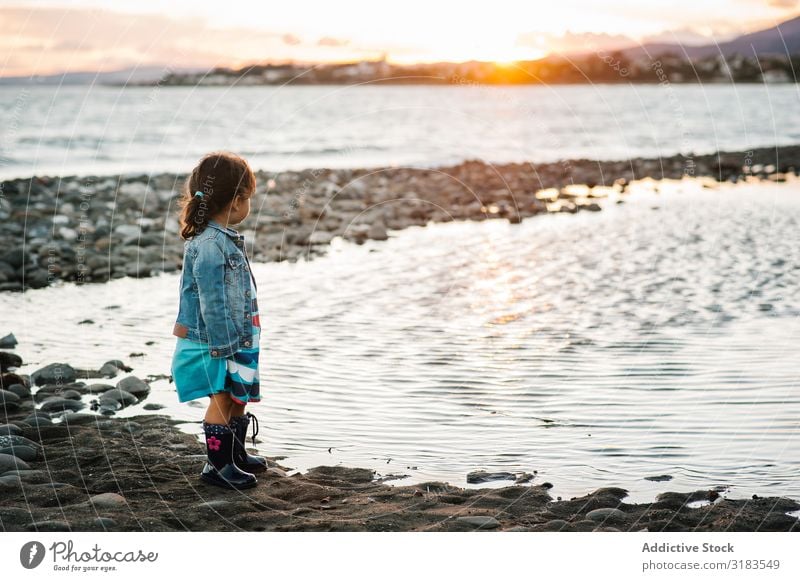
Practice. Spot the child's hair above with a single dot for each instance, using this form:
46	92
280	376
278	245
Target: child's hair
220	175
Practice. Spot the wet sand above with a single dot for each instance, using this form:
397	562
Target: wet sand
90	472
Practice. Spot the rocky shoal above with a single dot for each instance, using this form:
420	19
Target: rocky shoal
92	229
66	469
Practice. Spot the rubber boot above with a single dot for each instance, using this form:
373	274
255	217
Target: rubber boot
220	468
243	460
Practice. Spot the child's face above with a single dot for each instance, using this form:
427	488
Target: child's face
239	209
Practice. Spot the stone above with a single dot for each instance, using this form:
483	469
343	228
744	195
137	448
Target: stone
49	526
9	401
54	373
99	388
611	515
377	232
117	396
10	430
77	419
479	522
25	453
57	404
8	342
153	406
9	361
19	390
480	476
9	462
134	385
108	500
104	522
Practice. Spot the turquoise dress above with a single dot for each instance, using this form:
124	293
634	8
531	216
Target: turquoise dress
196	374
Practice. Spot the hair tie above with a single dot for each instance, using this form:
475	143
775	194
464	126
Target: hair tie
198	194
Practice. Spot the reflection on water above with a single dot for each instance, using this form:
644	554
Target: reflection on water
656	337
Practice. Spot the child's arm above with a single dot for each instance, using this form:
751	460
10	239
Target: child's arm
209	273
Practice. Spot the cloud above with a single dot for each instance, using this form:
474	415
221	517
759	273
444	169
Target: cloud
572	42
329	41
50	40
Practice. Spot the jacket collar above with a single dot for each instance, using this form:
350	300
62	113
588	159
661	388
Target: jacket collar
233	234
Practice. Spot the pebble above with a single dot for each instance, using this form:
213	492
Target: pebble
19	390
49	526
8	342
9	430
480	476
57	404
104	522
479	522
108	500
75	419
54	373
118	396
9	360
25	453
607	515
99	388
9	462
153	406
8	400
10	481
661	478
8	441
134	385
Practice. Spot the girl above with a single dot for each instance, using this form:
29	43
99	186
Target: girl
218	328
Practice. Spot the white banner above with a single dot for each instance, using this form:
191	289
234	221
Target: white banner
407	556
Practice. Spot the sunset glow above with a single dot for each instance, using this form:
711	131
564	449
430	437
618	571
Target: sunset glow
39	38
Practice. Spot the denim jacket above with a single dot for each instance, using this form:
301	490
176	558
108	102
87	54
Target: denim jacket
215	302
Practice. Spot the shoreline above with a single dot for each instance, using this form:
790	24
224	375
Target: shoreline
94	228
62	469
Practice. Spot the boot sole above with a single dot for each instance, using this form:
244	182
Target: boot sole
227	484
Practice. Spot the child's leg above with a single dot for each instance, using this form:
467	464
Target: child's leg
237	409
219	409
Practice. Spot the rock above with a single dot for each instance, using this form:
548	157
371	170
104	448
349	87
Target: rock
108	500
320	237
25	453
9	430
104	522
49	526
9	361
19	390
54	373
134	385
479	476
117	396
8	342
99	388
377	232
479	522
76	419
9	401
108	370
58	404
611	515
9	462
11	441
661	478
10	481
38	421
153	406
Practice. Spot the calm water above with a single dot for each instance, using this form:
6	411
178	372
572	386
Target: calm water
101	130
656	337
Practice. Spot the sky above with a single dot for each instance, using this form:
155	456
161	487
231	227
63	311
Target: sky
50	37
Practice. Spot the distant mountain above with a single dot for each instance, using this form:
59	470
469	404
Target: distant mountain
134	75
780	40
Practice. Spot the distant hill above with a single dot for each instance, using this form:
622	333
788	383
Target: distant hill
780	40
134	75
